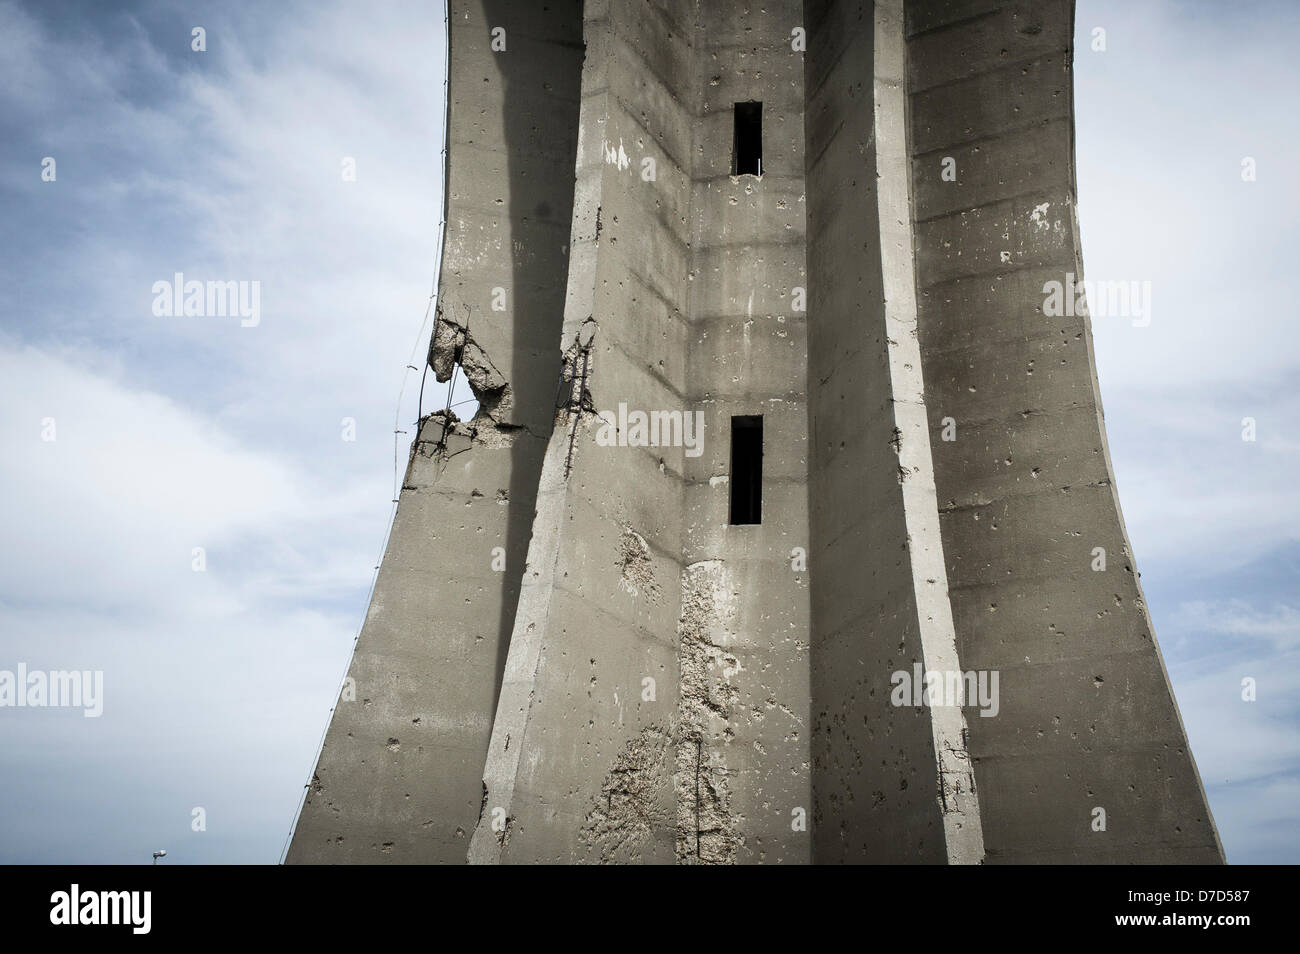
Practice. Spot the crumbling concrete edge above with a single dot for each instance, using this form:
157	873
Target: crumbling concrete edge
959	803
518	688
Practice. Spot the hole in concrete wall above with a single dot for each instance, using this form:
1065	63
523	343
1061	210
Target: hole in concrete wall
747	469
747	150
461	397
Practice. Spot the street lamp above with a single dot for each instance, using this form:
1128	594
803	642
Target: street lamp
157	855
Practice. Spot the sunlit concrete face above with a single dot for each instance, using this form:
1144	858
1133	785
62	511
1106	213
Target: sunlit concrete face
769	414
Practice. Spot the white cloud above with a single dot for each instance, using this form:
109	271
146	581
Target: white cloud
177	433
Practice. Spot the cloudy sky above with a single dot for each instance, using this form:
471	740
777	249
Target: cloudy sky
171	434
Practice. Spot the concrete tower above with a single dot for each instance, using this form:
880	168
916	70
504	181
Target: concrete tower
773	426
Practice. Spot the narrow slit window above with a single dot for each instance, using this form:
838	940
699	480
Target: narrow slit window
746	470
747	158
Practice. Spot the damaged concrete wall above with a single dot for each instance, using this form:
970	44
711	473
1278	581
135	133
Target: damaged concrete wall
400	776
743	781
683	277
580	767
643	682
1086	719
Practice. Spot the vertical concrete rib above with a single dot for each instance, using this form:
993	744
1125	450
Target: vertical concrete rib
399	778
959	802
744	743
579	765
1086	723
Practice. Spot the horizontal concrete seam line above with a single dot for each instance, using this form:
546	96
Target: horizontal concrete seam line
1072	750
679	233
495	212
993	273
778	45
953	24
672	313
978	207
687	42
1026	322
798	319
863	626
609	91
629	115
1051	490
861	34
476	146
991	71
1052	193
457	496
593	609
1006	132
630	44
654	457
974	350
1064	663
489	96
1022	579
1003	424
1080	664
679	400
1022	497
793	398
702	249
670	228
645	282
686	31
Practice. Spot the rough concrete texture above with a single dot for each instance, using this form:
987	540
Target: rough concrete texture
400	777
1088	719
647	683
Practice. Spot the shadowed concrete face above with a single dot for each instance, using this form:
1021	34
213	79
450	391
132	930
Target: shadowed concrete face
923	491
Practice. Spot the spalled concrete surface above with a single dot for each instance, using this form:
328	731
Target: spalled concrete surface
653	684
400	776
634	574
